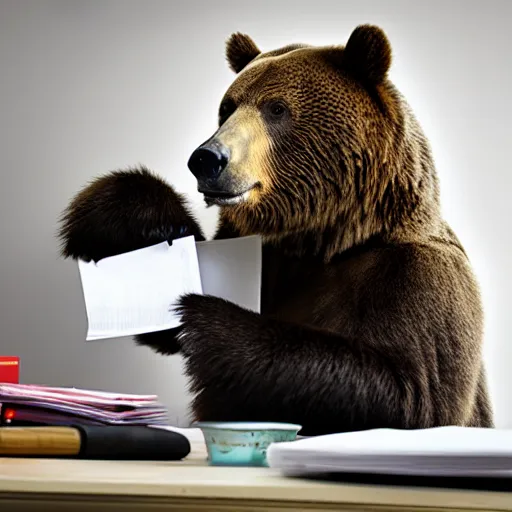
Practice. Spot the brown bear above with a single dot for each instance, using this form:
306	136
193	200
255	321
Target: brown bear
371	315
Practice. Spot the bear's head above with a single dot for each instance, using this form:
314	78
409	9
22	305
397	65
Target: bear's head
316	140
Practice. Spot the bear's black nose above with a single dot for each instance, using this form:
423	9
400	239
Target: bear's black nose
208	161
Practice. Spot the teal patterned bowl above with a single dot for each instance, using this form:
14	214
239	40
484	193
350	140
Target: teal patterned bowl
241	443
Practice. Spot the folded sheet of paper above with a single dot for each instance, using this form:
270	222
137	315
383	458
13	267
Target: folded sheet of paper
135	292
442	451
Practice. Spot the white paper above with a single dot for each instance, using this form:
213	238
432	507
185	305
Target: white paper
134	293
231	269
442	451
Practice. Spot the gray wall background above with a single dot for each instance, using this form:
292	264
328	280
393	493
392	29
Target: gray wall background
89	86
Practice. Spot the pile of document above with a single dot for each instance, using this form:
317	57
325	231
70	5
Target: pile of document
435	452
135	292
22	403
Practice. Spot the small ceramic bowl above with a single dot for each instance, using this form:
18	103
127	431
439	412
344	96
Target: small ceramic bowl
243	443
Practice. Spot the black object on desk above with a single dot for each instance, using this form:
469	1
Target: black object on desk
94	442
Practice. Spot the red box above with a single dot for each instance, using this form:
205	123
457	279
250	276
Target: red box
10	369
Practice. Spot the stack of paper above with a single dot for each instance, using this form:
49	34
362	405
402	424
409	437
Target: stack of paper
443	451
135	292
66	405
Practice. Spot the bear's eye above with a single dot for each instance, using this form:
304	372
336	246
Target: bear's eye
276	110
226	109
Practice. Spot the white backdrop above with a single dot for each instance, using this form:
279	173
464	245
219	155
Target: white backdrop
90	86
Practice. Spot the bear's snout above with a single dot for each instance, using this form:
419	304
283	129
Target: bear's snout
208	161
232	162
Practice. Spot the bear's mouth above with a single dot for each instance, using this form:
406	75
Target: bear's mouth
222	198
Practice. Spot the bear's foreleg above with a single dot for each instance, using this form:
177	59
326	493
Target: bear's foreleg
123	211
246	367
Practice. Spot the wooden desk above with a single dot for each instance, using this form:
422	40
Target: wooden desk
190	485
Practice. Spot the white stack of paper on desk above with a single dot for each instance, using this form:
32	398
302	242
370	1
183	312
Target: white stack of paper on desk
135	292
443	451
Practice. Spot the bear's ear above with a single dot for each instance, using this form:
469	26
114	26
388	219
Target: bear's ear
240	50
367	54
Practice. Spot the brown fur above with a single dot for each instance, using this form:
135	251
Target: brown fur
371	315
